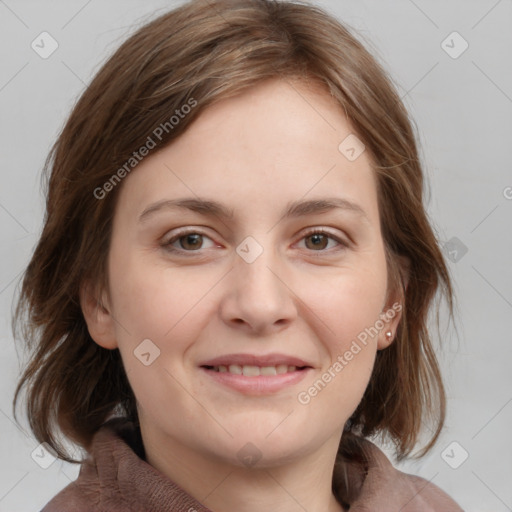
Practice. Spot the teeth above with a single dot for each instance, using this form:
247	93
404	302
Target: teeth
251	371
235	368
255	371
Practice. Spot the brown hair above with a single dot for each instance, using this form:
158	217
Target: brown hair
205	52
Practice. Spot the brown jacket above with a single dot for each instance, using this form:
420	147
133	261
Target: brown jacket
115	478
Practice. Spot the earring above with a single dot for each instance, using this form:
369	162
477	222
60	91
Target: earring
389	335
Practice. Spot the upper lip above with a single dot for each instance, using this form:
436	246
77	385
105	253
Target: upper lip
255	360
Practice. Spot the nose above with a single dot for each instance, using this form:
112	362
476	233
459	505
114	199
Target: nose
258	299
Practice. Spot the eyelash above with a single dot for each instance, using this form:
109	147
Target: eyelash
315	231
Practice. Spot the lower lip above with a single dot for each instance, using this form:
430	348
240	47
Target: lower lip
259	385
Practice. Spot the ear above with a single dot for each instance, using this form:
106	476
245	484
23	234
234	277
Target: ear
96	311
393	309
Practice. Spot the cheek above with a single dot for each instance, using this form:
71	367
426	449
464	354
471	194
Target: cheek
167	306
156	299
347	309
348	302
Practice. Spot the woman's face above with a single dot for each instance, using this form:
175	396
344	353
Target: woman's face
237	320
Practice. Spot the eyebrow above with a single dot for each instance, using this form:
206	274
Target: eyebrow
294	209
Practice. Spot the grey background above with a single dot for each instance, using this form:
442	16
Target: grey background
463	109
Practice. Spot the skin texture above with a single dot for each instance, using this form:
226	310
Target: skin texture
255	153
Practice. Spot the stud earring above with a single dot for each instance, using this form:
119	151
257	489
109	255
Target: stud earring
389	335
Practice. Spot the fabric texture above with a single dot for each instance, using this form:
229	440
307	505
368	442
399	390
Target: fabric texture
116	478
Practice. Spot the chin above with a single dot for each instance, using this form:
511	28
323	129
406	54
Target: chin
255	454
270	444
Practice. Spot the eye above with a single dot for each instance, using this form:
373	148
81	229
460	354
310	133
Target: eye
318	239
192	240
187	240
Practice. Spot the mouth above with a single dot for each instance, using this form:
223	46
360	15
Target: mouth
256	375
255	371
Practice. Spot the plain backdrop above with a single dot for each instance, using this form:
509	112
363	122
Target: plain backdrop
458	88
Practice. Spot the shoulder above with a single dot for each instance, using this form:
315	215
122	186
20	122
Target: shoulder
71	499
86	493
97	481
383	487
426	496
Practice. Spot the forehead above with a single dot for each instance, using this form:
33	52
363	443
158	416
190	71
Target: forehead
272	144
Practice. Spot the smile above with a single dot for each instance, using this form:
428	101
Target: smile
255	371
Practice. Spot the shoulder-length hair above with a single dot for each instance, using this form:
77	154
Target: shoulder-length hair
196	55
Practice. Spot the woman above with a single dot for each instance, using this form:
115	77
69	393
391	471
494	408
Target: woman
231	290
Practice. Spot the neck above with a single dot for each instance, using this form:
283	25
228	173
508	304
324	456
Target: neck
303	484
